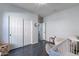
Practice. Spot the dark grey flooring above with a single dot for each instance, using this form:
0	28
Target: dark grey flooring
30	50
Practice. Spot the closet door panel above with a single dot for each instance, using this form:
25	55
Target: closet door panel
16	32
27	32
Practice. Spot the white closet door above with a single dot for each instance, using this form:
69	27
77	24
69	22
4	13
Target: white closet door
27	32
16	31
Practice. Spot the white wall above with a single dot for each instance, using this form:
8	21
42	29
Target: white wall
7	10
63	24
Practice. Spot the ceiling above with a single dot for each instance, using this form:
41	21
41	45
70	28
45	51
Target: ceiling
45	9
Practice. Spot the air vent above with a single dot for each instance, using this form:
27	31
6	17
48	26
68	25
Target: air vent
40	19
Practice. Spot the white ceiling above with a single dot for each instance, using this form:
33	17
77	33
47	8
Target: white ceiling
47	9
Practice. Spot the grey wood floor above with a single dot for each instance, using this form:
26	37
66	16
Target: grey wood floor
30	50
